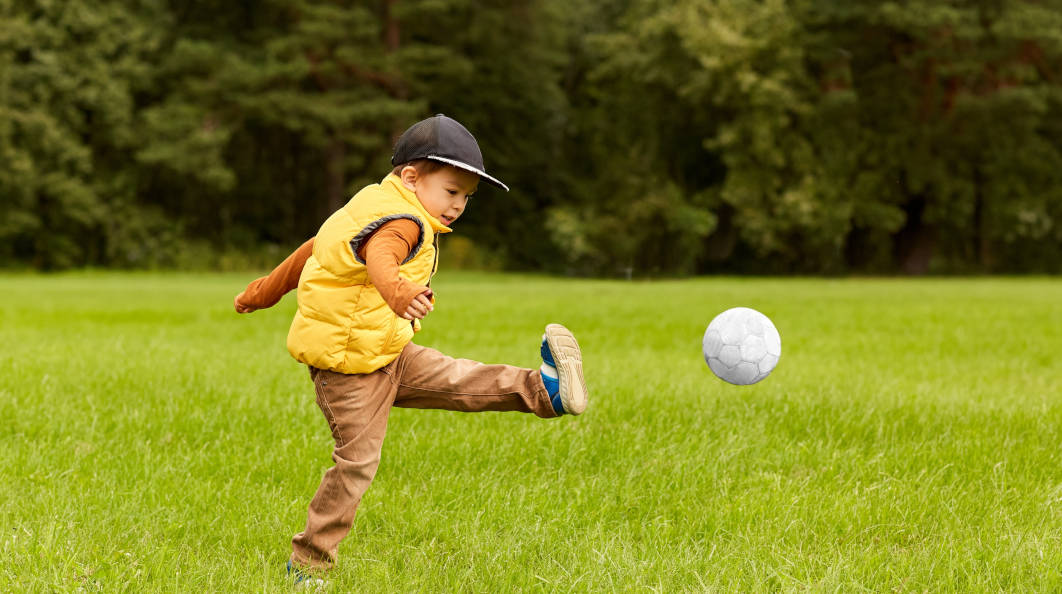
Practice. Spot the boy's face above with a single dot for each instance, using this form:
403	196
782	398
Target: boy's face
444	193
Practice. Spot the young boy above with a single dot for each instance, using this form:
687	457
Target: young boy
363	287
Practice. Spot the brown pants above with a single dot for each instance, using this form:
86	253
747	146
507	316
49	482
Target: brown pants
357	406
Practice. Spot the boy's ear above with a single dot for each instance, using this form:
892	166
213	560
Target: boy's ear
408	175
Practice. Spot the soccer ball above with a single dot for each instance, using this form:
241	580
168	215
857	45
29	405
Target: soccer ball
741	346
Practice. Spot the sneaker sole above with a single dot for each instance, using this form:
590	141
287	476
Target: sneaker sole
569	359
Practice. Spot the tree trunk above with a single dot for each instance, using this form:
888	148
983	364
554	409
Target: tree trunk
391	30
335	154
719	245
916	242
392	39
982	245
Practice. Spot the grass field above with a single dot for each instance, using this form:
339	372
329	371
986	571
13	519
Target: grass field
152	440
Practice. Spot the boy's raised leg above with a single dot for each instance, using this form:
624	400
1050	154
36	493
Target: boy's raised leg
426	378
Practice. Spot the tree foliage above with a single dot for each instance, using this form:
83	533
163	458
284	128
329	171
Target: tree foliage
639	137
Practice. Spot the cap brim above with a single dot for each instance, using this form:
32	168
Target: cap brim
482	174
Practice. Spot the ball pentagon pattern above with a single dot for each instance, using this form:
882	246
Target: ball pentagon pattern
741	346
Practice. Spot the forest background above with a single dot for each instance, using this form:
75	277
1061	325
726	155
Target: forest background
640	137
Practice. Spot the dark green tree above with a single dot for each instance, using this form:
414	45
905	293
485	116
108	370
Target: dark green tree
276	114
70	73
949	106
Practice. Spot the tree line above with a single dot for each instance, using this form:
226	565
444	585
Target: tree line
639	137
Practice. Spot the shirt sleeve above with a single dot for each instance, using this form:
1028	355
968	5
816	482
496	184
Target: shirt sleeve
267	291
383	253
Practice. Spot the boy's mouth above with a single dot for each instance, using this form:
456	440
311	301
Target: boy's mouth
446	220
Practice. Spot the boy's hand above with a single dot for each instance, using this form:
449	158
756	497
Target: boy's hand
419	307
240	307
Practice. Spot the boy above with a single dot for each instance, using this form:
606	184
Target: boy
363	287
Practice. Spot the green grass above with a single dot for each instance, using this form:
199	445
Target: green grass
152	440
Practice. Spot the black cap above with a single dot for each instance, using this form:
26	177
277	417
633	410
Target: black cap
443	139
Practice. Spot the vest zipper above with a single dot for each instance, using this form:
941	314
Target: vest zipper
435	263
434	266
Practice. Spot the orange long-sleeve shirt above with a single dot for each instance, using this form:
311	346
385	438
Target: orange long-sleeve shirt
383	253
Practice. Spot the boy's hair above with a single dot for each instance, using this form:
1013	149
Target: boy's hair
423	166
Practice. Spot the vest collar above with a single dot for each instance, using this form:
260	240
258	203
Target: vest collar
394	184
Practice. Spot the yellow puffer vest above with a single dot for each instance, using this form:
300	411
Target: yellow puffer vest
343	324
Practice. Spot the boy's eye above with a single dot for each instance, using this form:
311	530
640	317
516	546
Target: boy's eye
452	192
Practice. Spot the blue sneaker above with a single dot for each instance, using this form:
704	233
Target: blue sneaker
550	377
303	579
562	371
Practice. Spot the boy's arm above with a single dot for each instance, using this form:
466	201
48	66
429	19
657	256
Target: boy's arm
383	253
267	291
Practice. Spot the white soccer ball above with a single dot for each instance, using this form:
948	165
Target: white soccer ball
742	346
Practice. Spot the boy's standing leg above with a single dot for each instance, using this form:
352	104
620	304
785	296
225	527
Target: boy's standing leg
356	407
